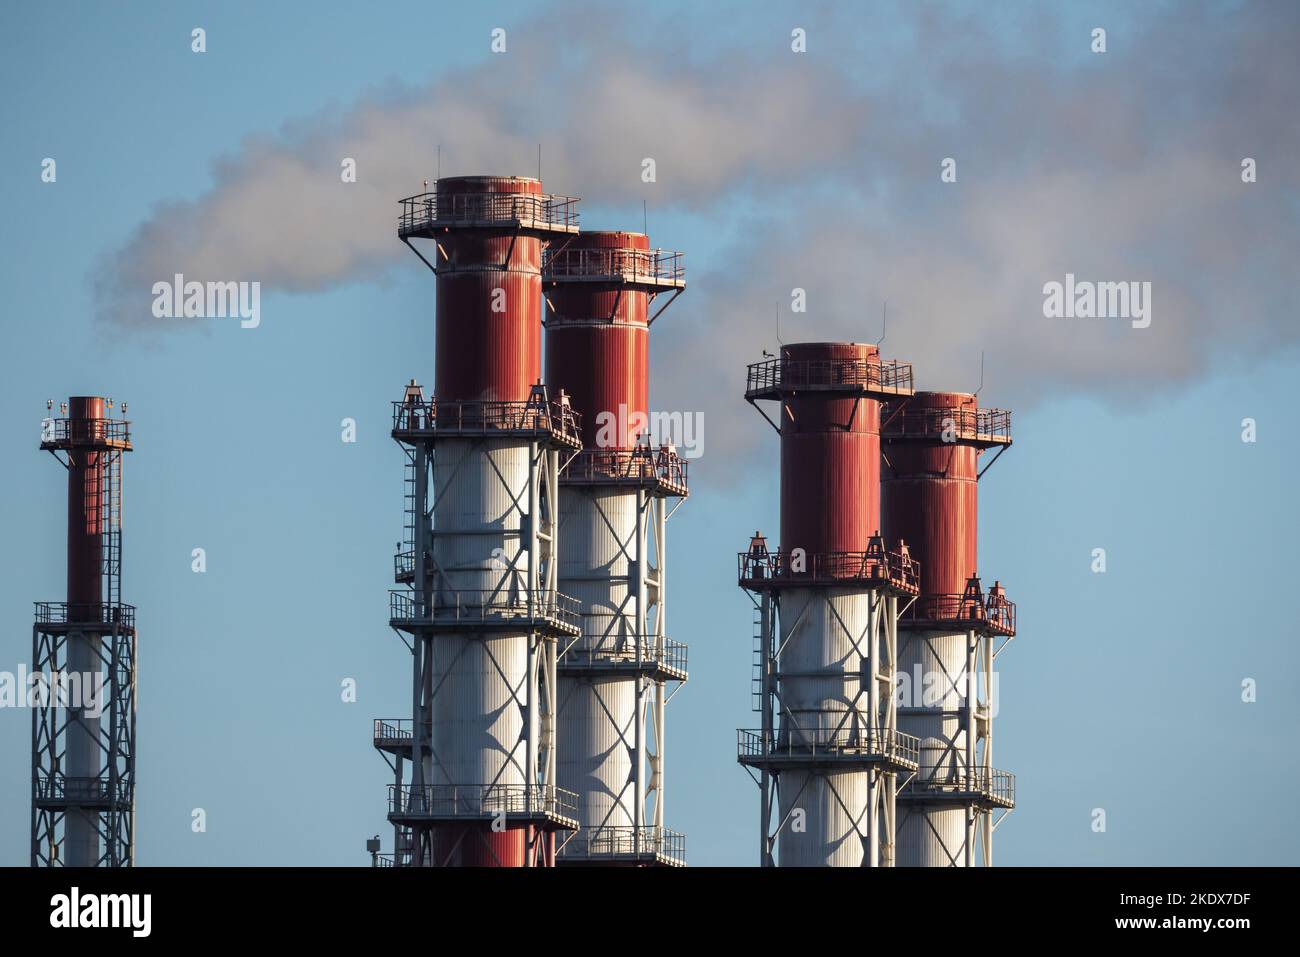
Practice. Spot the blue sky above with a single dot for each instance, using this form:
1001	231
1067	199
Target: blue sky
1122	691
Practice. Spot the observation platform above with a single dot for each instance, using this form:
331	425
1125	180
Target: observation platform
654	269
429	215
548	808
877	567
487	610
659	664
986	788
114	434
645	846
984	428
58	792
661	471
61	617
848	377
417	419
821	747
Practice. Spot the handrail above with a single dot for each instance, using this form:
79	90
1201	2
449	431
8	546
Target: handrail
996	612
84	613
764	568
673	654
885	375
477	800
793	741
400	729
61	787
487	604
655	266
427	211
528	415
999	785
643	463
612	840
109	432
949	425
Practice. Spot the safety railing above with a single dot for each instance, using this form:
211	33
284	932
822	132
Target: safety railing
819	741
428	211
874	375
109	433
403	565
658	267
616	651
625	841
643	463
996	613
949	425
85	613
79	790
477	417
480	800
393	729
484	606
764	569
997	785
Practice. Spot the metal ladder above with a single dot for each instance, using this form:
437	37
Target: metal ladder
110	506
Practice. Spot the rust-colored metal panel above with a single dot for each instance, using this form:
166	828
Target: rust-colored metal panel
598	347
473	845
85	508
489	302
930	497
830	461
485	354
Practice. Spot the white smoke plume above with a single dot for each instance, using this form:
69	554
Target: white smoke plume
824	168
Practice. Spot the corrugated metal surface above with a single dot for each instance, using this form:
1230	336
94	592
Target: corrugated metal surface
930	499
932	664
830	462
476	721
598	346
595	730
594	753
482	354
86	518
479	846
479	679
479	489
822	628
597	548
824	675
477	724
930	837
85	515
831	804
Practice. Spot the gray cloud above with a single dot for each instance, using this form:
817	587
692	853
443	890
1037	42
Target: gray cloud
1122	166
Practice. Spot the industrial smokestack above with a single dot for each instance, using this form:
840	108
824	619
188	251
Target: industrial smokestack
828	752
83	727
477	568
614	504
949	636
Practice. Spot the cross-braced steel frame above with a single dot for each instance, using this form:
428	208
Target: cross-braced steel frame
843	742
968	779
74	647
525	602
644	656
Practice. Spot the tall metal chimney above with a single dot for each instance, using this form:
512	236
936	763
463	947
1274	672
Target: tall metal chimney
614	505
828	754
478	601
83	726
949	637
